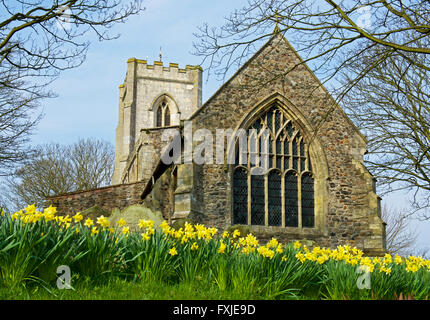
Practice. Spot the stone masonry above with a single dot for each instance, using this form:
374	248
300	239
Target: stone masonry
346	206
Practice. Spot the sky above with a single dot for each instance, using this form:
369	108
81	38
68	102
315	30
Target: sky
87	101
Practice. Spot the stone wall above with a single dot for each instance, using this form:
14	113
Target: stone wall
346	205
107	198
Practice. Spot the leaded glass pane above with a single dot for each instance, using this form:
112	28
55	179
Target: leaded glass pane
240	196
275	198
167	117
278	123
270	120
308	201
291	200
159	116
302	164
257	125
286	147
295	163
257	200
279	162
290	129
287	163
302	149
295	147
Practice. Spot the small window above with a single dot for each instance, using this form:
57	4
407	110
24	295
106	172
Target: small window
162	114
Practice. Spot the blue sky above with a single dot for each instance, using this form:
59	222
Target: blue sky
87	102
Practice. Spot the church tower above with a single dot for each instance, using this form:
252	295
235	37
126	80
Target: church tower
152	97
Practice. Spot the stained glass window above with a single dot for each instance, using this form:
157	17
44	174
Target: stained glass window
278	150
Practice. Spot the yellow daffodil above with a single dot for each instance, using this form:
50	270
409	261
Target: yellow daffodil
173	251
297	245
194	246
222	247
94	231
30	209
398	259
145	223
121	222
88	223
272	243
78	217
103	221
236	233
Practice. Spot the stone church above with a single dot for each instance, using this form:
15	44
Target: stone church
313	184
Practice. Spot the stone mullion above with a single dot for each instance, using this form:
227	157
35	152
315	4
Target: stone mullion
249	197
307	157
283	199
266	199
299	157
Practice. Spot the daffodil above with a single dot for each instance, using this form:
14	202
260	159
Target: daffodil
121	222
145	223
78	217
297	245
125	230
194	246
236	233
94	231
222	247
50	210
272	243
88	223
30	209
173	251
103	221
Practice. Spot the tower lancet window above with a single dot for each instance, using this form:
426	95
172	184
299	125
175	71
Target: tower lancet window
162	114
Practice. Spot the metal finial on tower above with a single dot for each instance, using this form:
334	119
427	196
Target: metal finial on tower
161	56
277	18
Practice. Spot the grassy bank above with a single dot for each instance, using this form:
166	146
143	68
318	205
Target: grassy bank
193	262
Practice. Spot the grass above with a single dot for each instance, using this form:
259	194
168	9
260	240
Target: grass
191	262
123	289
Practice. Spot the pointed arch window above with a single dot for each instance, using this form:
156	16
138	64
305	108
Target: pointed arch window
273	183
162	114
